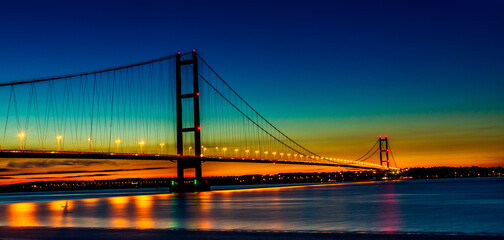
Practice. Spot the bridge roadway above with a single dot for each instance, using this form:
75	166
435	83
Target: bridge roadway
123	156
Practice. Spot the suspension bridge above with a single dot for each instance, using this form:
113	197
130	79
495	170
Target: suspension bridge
175	108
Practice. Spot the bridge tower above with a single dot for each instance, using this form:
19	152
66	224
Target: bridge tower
384	148
190	162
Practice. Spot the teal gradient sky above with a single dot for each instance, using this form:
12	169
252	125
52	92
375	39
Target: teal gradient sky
332	74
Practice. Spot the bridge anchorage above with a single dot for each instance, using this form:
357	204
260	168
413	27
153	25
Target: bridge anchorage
153	110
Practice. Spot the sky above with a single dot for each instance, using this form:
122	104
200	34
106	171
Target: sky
333	75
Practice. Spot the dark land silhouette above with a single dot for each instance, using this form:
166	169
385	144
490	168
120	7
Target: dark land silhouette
282	178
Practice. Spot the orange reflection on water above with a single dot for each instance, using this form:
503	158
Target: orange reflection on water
143	202
163	196
143	205
59	211
204	199
203	203
58	206
90	200
22	214
119	222
280	188
118	204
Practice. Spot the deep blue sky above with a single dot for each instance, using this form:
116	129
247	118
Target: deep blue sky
357	68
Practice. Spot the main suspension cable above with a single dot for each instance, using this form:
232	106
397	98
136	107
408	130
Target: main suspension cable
246	103
367	151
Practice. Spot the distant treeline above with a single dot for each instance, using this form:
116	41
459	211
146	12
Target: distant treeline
453	172
411	173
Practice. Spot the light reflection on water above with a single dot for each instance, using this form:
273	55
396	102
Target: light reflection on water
22	214
474	205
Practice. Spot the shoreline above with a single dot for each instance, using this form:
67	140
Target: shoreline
128	233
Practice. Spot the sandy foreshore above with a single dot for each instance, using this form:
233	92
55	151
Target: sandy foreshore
101	233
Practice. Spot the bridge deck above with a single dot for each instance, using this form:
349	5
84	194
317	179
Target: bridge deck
122	156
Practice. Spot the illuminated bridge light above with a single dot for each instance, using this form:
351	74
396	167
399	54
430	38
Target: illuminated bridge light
141	143
117	142
21	136
58	139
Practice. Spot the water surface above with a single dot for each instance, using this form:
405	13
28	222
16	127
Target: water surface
452	205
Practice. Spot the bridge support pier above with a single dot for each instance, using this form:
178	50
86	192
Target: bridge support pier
197	184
